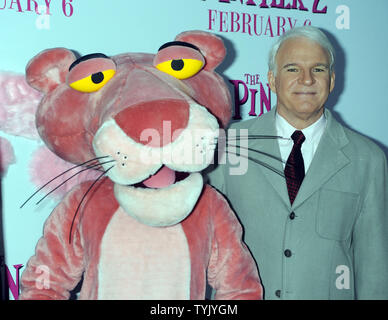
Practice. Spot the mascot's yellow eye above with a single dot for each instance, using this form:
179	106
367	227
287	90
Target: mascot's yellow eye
181	68
93	82
179	59
91	72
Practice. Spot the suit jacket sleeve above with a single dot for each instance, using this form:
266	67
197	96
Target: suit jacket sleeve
371	236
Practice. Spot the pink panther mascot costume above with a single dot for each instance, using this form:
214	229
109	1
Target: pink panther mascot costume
147	227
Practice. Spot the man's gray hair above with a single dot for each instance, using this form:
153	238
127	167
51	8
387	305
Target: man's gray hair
309	32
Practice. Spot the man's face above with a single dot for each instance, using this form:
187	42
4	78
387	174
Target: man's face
303	81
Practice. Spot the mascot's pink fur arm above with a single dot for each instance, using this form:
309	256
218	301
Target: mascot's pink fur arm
62	262
213	235
231	272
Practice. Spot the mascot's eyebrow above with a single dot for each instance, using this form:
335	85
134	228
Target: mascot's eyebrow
87	57
178	43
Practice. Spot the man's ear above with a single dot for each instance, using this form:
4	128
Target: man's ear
271	81
49	68
210	45
332	81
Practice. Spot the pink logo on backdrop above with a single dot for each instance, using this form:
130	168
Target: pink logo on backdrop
38	7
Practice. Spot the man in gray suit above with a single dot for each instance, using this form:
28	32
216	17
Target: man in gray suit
320	230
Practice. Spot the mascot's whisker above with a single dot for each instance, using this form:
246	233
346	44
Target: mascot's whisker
251	137
72	176
257	151
83	198
62	173
279	172
251	149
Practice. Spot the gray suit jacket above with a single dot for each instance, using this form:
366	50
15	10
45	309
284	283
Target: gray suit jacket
332	243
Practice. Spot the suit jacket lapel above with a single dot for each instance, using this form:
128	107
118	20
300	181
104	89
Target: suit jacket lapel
327	160
266	126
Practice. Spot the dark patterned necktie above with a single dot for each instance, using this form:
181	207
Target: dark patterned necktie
294	170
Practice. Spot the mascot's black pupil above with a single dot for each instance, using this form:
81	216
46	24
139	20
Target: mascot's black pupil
97	77
177	65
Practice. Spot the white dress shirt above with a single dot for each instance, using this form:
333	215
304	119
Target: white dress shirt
313	135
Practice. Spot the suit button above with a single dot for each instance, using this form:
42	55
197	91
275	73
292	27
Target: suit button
287	253
278	293
292	215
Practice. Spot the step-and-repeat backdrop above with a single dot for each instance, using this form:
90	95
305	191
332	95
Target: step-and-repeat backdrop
357	29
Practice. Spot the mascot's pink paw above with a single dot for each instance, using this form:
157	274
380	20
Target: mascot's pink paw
7	156
18	104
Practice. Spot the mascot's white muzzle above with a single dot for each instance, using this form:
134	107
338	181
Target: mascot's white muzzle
146	177
191	149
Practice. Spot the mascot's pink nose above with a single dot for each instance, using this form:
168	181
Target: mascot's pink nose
154	123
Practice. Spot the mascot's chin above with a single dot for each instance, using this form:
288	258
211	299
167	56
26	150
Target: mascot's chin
146	227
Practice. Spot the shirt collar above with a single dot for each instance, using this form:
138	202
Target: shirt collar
315	130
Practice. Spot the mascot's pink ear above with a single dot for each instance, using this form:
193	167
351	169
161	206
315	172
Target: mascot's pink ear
49	68
211	46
